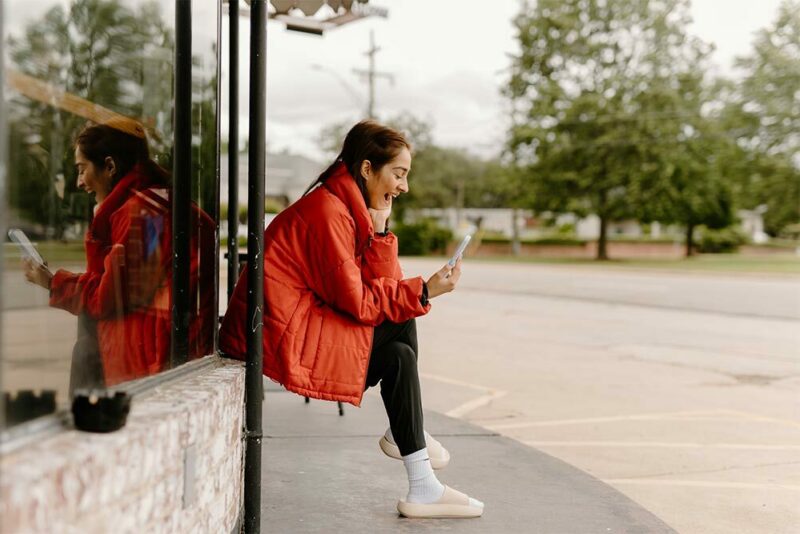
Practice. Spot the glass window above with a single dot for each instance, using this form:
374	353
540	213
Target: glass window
89	115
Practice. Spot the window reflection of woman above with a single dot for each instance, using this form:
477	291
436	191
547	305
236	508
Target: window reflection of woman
123	300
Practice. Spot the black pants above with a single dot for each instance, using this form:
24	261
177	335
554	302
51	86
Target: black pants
86	370
393	363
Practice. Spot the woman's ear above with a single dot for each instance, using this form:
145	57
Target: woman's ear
366	169
111	167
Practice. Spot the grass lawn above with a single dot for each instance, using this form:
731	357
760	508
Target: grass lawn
72	253
733	263
53	253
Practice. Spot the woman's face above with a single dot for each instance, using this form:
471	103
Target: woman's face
93	179
389	181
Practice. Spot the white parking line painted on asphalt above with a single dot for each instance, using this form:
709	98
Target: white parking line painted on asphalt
658	416
474	404
702	484
664	445
763	419
471	405
454	382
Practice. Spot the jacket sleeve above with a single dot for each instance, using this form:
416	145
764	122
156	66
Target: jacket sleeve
336	278
119	277
380	259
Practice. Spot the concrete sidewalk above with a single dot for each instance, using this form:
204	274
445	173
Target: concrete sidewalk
325	473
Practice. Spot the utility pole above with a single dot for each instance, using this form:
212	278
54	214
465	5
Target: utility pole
370	74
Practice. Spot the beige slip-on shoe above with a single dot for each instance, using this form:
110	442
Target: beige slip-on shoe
439	456
452	504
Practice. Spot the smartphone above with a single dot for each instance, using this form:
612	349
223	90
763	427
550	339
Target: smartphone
460	250
25	245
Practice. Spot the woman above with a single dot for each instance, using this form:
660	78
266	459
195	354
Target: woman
124	297
339	317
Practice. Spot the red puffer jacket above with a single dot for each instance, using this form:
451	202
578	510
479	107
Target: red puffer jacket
327	283
127	284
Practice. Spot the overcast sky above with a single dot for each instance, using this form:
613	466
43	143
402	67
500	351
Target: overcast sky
448	58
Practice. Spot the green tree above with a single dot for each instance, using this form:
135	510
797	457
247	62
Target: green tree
418	131
441	177
444	177
205	147
331	137
587	91
693	192
503	185
99	50
763	115
684	178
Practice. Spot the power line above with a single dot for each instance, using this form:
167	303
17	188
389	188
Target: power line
357	98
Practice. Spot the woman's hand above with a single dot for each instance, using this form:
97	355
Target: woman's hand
379	218
37	273
445	280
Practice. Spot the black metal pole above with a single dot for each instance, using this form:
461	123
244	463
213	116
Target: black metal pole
181	182
233	146
3	205
255	263
217	163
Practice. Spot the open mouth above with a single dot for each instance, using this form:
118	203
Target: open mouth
388	197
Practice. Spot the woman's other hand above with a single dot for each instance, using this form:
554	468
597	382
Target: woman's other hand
445	280
379	218
37	273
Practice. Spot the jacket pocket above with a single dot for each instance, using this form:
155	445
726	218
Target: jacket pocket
310	344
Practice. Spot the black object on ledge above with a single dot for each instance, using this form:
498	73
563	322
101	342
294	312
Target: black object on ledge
26	405
95	411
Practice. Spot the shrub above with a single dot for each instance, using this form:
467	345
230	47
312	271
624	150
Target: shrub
421	238
790	231
272	206
559	241
724	240
566	230
549	241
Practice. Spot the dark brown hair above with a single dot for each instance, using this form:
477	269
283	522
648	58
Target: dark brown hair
368	140
125	142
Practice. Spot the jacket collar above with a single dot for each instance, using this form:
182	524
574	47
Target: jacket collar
342	184
136	180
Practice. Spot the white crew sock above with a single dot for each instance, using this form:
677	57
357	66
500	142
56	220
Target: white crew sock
423	486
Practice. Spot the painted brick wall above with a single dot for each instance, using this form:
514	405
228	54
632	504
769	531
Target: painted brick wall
135	479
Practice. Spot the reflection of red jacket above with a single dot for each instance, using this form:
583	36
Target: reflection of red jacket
327	283
127	284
